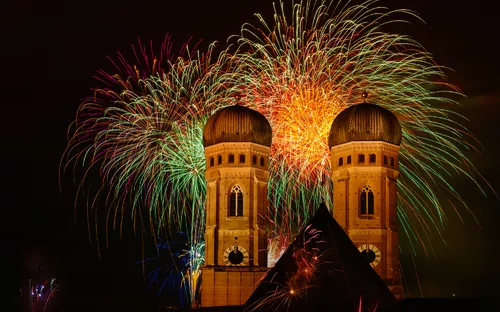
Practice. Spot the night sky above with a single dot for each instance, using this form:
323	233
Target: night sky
51	50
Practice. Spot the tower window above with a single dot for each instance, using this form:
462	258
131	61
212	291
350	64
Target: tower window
219	160
254	160
367	201
262	162
373	158
236	202
231	159
392	162
361	158
385	159
242	158
341	161
349	159
212	162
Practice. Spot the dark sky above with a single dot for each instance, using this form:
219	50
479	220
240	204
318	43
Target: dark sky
51	50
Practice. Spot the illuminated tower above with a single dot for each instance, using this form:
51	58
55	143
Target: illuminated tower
364	141
237	141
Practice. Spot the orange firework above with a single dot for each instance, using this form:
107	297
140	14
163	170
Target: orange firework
301	128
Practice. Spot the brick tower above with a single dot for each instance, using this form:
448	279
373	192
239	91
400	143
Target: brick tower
364	141
237	141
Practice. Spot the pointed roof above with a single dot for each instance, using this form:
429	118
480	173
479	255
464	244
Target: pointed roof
322	268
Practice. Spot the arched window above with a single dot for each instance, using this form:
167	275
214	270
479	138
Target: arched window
349	159
242	158
236	202
212	162
367	201
231	159
262	162
341	161
219	160
385	159
361	159
254	160
392	162
373	158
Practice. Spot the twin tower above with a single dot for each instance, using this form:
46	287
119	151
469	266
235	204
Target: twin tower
364	141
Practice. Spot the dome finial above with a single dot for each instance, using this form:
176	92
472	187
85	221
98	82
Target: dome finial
238	100
365	96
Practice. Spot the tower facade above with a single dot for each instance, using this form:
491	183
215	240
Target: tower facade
237	141
364	141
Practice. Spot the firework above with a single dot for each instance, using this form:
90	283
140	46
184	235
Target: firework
288	285
143	128
171	276
41	295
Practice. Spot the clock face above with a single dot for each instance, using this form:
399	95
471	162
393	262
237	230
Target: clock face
236	255
370	253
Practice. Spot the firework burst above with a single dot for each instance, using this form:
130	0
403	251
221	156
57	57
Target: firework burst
146	140
304	68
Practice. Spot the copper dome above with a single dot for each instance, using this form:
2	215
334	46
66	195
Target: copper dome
365	122
237	124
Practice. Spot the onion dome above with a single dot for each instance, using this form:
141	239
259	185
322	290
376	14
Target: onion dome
237	124
365	122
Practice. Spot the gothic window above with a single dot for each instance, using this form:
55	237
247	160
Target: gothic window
341	161
231	159
242	158
373	158
349	159
385	159
211	161
236	201
392	162
367	201
262	162
254	160
361	159
219	160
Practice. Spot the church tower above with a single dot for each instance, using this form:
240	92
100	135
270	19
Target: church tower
237	141
364	141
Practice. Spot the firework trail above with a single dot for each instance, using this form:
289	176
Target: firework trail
142	129
41	295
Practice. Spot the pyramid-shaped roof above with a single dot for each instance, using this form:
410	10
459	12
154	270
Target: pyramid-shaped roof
322	269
